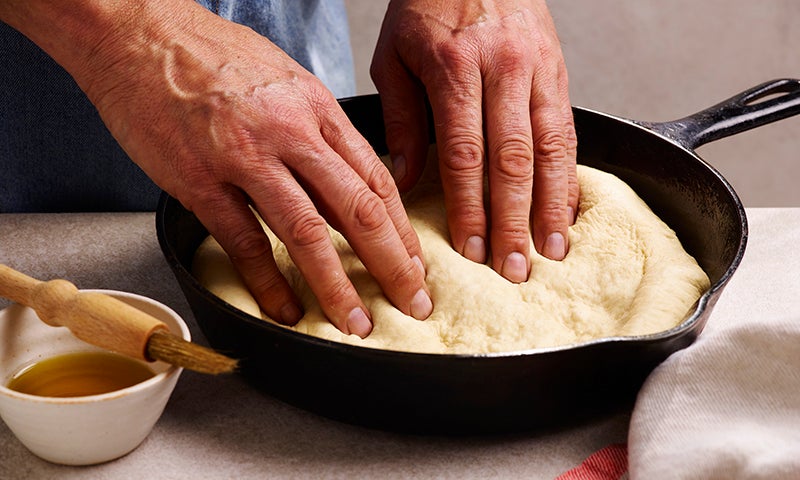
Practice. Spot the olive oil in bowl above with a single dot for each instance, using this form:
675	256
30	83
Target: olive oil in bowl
80	374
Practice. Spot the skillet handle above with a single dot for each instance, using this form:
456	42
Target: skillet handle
747	110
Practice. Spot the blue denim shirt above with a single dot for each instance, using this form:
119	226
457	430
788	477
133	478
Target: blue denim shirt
56	155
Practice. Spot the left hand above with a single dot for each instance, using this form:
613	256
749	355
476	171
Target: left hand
497	84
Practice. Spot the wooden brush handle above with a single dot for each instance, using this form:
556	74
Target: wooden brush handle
93	317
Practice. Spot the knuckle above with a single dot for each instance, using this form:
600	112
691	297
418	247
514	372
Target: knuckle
513	159
549	48
192	199
452	55
550	145
571	139
321	101
307	229
550	213
513	229
380	181
463	154
336	295
454	67
409	237
404	275
268	284
513	58
249	246
466	217
367	209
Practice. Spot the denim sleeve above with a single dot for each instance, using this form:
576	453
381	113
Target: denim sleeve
56	155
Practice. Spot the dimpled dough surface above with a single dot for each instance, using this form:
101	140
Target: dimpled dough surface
626	274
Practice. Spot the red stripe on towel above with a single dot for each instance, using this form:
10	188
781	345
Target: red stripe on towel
609	463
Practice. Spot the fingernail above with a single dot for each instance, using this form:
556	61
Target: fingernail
515	267
555	248
358	323
417	260
421	305
290	314
571	213
475	249
398	168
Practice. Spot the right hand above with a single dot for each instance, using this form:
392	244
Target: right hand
222	119
496	81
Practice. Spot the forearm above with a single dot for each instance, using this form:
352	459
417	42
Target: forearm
94	38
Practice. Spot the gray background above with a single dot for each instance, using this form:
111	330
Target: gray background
661	60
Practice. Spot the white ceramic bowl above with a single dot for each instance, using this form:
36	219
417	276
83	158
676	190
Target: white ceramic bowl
80	430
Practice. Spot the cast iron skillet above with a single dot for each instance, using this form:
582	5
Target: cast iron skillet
427	393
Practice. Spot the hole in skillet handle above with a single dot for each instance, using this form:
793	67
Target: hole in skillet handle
770	91
764	98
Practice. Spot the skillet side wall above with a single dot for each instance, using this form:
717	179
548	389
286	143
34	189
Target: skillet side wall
448	394
682	189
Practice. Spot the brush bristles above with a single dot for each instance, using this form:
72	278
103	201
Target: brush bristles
172	349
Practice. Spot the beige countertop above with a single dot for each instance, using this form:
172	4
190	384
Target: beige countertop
221	427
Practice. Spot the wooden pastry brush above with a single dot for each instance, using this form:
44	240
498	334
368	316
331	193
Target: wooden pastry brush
109	323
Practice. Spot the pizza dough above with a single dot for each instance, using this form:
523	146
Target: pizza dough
626	274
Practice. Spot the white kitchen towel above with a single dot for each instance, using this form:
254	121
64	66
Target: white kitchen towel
728	407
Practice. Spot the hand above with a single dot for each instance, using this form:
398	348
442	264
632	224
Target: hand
497	84
222	119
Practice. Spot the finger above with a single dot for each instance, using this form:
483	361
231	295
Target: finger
572	148
457	113
573	195
510	147
241	236
551	177
293	218
405	119
362	216
348	144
